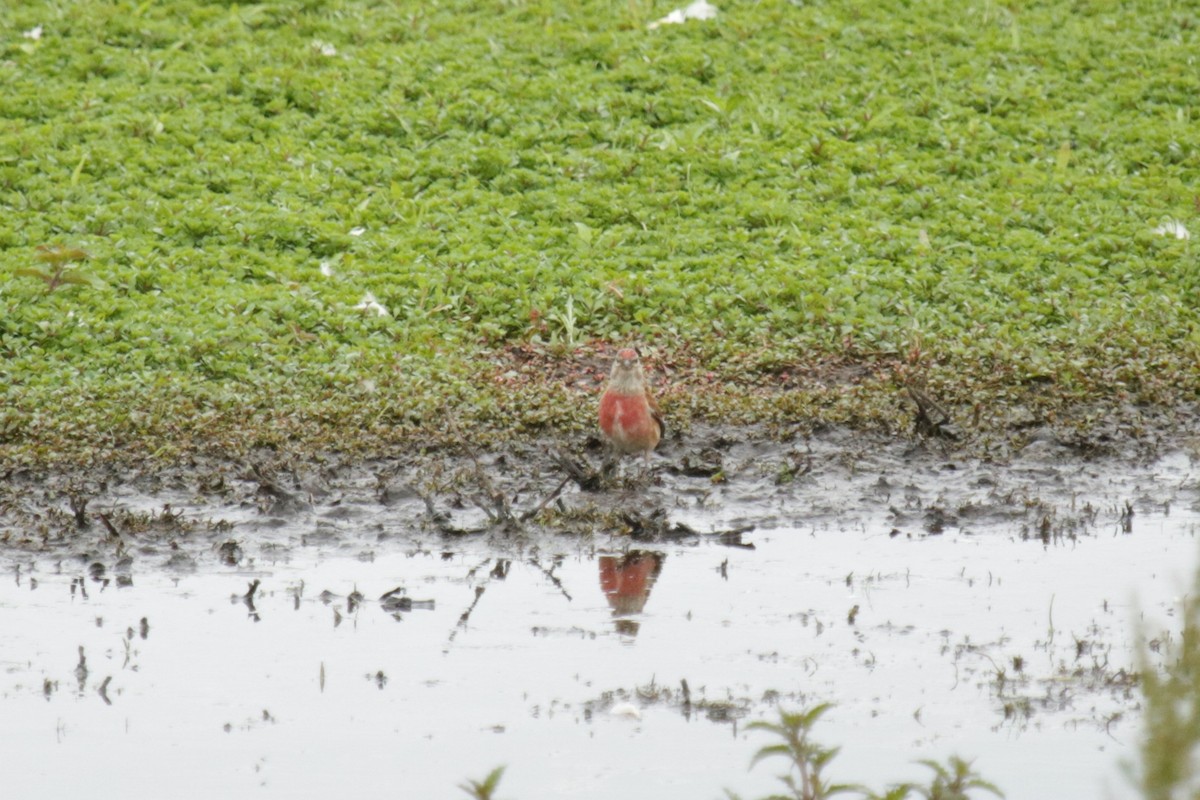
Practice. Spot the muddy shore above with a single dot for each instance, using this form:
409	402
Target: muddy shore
732	477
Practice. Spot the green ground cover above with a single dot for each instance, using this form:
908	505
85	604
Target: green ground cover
967	192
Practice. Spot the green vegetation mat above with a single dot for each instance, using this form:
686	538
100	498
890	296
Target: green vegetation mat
197	198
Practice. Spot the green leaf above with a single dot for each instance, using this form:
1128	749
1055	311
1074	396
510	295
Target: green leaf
31	272
485	789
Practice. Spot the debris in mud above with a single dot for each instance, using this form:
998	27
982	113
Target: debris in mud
1127	518
113	534
628	710
932	419
247	600
81	670
179	561
475	485
1020	696
686	701
937	519
230	552
656	527
397	600
796	465
706	463
273	498
586	477
79	504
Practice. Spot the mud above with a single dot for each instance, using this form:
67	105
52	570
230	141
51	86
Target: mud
269	627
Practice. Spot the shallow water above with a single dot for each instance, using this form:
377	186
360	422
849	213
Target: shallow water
563	658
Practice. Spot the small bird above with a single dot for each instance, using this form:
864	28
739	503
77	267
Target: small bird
629	416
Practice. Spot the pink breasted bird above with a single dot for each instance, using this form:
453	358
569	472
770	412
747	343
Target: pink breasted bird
629	416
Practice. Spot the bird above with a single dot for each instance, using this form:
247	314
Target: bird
629	417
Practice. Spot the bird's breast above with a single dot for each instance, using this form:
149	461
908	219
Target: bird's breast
627	422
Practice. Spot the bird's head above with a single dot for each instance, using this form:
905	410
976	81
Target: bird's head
627	369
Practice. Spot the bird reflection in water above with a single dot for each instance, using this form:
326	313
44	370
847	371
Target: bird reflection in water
626	581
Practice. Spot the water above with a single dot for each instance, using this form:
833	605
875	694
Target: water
302	696
564	657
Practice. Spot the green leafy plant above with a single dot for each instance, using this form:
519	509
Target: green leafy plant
954	781
59	269
485	789
567	333
807	760
668	185
1166	761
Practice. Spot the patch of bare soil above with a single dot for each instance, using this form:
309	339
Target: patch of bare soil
586	366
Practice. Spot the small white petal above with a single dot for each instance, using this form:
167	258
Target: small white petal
627	710
34	33
324	48
369	303
700	9
327	268
357	231
1173	228
674	18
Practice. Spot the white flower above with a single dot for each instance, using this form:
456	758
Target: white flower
627	710
34	33
326	267
700	9
1173	228
369	303
357	231
674	18
324	48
